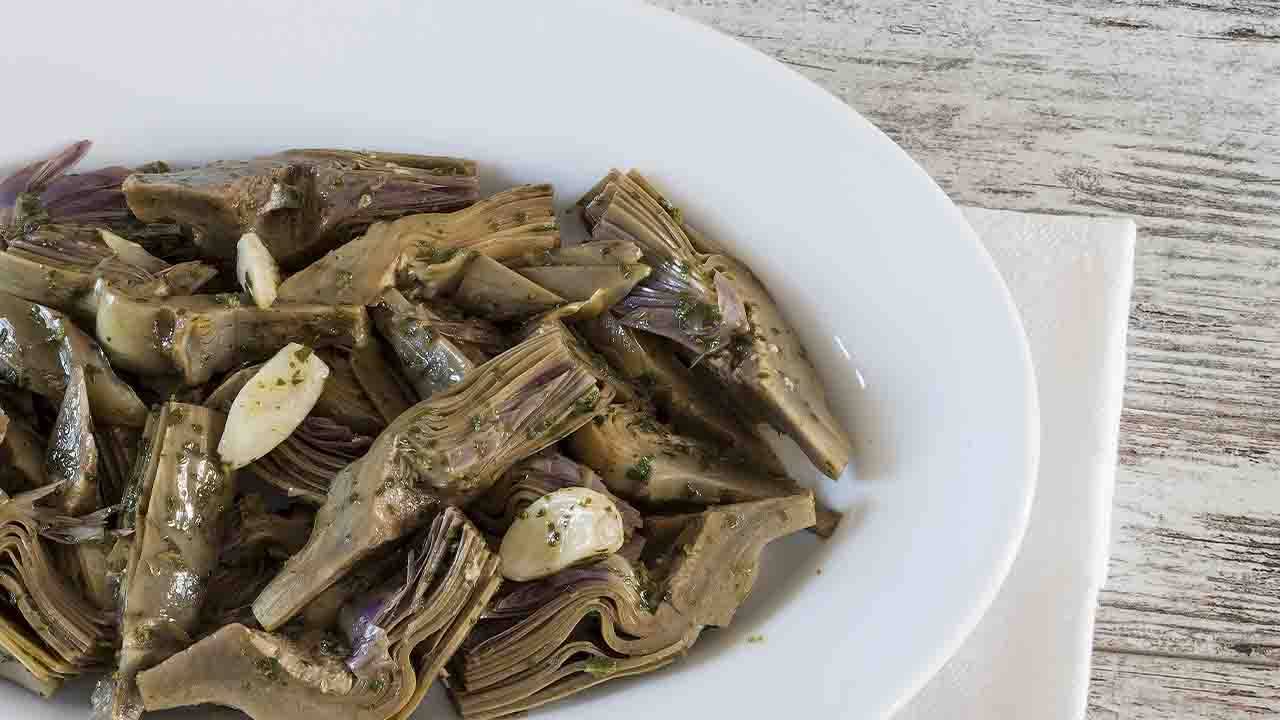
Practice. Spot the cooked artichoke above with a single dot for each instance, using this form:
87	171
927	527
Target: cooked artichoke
257	543
542	641
198	337
54	632
60	266
641	459
21	458
344	400
690	406
534	477
721	314
595	252
397	639
305	465
387	390
182	506
358	273
492	290
430	361
39	347
301	203
442	451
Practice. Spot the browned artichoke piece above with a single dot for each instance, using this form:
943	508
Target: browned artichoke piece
301	203
494	291
396	639
692	407
38	348
443	451
503	226
198	337
544	640
71	461
643	460
182	511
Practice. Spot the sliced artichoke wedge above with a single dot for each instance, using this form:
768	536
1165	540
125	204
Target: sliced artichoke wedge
60	265
358	273
693	409
429	360
395	641
595	252
301	203
720	314
198	337
542	641
444	451
492	290
182	507
53	631
39	346
643	460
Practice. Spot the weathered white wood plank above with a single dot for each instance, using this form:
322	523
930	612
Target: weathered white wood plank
1167	111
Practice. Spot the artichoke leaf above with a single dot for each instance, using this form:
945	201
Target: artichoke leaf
593	252
643	460
398	637
542	641
39	347
198	337
443	451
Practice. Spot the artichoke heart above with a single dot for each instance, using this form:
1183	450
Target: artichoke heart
39	347
300	203
545	640
395	640
198	337
447	450
643	460
720	313
53	632
180	502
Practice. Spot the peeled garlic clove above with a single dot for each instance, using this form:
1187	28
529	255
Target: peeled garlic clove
558	530
257	270
272	404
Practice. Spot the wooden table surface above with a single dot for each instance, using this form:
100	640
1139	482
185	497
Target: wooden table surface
1166	111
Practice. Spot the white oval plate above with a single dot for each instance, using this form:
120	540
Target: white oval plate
875	266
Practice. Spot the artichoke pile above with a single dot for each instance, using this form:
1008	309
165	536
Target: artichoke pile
301	434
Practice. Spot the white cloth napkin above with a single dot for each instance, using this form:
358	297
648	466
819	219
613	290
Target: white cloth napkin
1028	659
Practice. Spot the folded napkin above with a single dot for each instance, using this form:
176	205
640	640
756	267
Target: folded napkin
1028	659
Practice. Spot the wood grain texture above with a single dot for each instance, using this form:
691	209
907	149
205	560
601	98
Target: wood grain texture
1167	111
